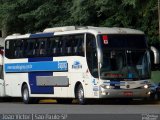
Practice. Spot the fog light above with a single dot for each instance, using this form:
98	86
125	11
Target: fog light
149	93
145	86
105	93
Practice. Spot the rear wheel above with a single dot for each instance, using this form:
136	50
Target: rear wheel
80	95
25	96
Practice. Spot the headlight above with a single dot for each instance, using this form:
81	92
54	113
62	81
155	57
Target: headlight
106	86
145	86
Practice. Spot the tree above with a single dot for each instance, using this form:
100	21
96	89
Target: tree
28	16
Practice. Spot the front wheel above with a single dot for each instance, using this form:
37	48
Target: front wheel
25	96
80	95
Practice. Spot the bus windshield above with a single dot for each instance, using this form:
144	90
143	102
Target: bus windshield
124	60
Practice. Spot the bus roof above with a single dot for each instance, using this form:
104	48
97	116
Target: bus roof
50	32
37	35
95	30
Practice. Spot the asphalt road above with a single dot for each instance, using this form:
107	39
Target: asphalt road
111	107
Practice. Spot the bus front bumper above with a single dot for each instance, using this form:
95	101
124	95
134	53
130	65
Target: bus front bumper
124	93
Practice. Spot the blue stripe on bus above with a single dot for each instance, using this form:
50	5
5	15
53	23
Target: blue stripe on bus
37	64
32	78
41	35
115	82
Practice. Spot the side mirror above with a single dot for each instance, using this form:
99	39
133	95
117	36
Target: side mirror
100	56
156	55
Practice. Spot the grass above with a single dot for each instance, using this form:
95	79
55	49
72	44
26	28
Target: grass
155	76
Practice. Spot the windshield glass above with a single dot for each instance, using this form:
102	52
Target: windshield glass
129	41
123	62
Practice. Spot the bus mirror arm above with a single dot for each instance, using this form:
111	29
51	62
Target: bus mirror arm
100	56
100	65
156	55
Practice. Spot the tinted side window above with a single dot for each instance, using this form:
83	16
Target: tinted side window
19	49
91	54
68	45
78	45
41	47
64	45
9	48
31	48
54	46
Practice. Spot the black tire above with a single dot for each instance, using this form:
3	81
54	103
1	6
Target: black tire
152	97
80	95
25	96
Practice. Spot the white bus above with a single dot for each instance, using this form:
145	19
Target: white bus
77	62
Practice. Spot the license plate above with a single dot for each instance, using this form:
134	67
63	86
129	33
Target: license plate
128	93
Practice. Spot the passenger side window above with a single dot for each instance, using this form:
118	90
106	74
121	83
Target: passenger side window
62	41
91	54
30	48
78	45
19	49
41	47
67	45
9	48
55	46
63	45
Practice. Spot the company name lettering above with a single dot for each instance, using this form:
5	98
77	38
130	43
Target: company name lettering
19	67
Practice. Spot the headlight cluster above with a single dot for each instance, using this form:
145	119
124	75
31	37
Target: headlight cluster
107	86
146	86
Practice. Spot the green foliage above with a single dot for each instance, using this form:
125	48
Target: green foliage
129	2
26	16
155	77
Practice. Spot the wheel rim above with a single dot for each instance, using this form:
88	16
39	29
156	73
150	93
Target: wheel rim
80	95
25	94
